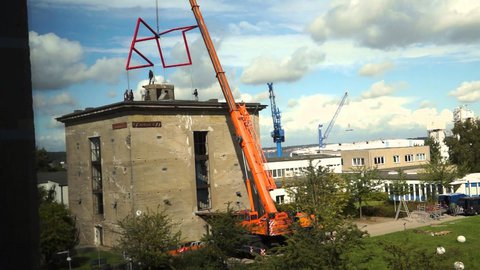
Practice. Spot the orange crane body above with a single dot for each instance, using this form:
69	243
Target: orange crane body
273	222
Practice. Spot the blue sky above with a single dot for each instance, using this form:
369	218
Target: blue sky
405	64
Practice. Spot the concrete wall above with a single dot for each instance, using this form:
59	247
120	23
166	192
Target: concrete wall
150	168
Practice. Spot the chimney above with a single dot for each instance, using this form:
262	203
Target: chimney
159	91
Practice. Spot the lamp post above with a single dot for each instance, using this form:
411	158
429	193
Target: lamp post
69	259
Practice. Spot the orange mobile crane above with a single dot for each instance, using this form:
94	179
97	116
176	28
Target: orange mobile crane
272	222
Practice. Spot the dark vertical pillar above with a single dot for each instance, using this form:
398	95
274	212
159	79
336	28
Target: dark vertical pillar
19	234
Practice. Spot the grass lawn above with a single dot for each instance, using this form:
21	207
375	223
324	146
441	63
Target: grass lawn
415	241
85	256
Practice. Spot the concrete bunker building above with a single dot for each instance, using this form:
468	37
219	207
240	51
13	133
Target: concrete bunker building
132	157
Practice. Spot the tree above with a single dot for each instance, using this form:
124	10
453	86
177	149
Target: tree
321	193
464	145
399	187
362	183
406	256
325	245
147	238
57	227
442	173
224	240
435	155
41	160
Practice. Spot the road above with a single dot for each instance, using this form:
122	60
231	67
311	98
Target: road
381	225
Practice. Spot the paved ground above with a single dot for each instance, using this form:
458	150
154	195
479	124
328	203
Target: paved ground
380	225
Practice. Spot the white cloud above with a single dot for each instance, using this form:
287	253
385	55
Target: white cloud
53	105
53	141
369	118
289	69
467	92
392	23
57	63
377	69
378	89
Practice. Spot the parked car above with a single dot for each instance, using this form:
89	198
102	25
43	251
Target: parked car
185	247
470	205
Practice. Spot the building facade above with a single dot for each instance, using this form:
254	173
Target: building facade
135	157
385	158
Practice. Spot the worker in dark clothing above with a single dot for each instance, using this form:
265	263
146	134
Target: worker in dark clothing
130	95
125	95
151	79
147	94
195	94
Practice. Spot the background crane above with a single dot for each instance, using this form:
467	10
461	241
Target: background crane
278	134
323	138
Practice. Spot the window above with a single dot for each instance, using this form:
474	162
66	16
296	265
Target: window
201	170
96	178
95	148
396	159
421	156
409	158
98	203
379	160
358	162
280	199
96	173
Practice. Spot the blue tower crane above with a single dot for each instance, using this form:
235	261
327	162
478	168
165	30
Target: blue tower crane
323	138
278	134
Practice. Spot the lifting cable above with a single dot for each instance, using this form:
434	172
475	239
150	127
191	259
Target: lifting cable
158	31
128	80
191	81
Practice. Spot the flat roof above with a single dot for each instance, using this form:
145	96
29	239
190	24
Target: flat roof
155	107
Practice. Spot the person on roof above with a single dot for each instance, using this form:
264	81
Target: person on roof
151	78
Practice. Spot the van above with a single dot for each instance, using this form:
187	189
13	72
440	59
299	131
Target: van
449	202
470	205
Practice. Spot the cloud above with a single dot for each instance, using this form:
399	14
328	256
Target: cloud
291	69
392	23
467	92
372	70
53	105
201	73
53	141
245	27
378	89
57	63
383	117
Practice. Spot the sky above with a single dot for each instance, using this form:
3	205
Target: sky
405	64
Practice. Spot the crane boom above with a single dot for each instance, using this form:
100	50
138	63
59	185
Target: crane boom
271	222
242	122
323	138
278	134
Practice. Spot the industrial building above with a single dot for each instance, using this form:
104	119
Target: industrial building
385	158
159	153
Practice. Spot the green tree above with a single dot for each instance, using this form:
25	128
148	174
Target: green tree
362	183
57	227
321	193
399	187
464	145
325	245
41	160
442	173
223	241
405	256
435	156
147	238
